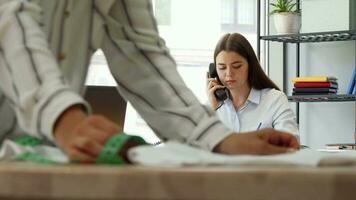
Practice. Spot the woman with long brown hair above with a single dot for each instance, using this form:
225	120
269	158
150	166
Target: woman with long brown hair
253	100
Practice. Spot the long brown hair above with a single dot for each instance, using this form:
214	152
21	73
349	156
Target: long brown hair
235	42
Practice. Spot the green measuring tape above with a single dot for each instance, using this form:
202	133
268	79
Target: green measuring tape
27	140
110	152
108	155
32	157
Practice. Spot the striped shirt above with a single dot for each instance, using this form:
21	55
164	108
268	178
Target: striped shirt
45	48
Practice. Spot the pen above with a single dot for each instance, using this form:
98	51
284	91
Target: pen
259	126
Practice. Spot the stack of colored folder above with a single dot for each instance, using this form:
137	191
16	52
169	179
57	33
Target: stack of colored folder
315	85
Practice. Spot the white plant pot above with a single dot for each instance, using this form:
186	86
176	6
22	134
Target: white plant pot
287	22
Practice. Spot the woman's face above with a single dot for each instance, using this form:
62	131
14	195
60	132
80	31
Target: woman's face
232	69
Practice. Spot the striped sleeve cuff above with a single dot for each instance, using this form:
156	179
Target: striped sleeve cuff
209	134
51	110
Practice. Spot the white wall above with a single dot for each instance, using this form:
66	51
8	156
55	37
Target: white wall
325	15
326	122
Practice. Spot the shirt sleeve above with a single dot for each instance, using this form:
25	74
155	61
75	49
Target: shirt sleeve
29	73
284	118
147	77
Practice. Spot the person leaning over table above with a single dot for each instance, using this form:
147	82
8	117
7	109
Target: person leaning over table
254	101
46	47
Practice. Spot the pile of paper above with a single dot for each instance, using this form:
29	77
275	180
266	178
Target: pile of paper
174	154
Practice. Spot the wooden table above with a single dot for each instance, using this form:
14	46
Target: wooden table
72	182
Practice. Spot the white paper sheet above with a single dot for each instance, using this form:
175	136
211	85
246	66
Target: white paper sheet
174	154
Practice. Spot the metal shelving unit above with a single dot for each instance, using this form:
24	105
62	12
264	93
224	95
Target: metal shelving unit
296	39
322	98
330	36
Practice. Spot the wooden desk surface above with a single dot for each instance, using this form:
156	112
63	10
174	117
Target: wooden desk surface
30	181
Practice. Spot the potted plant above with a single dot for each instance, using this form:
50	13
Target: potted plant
286	17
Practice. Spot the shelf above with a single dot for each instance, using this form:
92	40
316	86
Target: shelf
313	37
322	98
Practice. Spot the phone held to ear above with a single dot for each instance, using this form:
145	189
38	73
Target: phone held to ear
220	94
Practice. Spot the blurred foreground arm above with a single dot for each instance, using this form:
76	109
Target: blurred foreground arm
81	136
262	142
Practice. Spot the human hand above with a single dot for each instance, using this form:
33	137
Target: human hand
82	137
211	86
263	142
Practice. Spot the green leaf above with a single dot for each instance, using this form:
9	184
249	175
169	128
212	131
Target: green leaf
283	6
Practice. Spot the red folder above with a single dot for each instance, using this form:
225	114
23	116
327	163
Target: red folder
315	84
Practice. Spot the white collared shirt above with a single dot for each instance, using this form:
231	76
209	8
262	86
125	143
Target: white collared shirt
267	108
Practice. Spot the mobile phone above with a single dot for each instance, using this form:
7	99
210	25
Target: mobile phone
220	94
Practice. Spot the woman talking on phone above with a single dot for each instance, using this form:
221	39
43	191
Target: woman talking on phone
251	100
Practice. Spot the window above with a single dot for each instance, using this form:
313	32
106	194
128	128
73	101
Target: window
191	29
238	15
162	11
